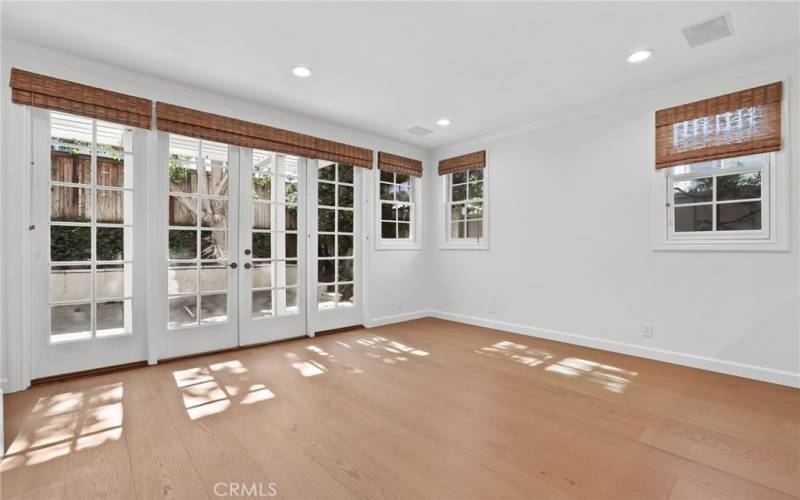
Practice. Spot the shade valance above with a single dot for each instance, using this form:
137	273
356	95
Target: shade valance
735	124
33	89
463	163
399	164
186	121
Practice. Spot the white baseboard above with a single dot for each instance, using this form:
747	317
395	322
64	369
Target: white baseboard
717	365
398	318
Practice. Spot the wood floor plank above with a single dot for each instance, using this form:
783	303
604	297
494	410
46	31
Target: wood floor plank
422	409
684	490
760	464
99	467
160	463
215	453
54	491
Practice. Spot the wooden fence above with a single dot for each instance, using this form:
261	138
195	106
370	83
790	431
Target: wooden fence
75	203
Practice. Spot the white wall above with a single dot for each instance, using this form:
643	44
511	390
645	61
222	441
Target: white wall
392	275
570	252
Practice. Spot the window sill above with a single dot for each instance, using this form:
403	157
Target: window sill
721	246
380	247
465	246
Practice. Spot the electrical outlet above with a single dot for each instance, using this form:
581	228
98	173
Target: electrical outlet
491	306
402	303
647	330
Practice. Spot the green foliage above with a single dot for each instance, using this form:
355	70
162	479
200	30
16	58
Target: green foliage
74	243
70	243
110	243
182	244
178	170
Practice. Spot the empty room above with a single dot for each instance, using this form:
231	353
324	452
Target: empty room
408	250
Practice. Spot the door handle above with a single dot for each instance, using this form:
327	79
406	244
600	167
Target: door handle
247	252
232	265
247	265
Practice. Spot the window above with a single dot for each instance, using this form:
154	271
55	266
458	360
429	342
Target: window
732	204
465	210
274	197
335	231
91	228
198	232
397	210
726	198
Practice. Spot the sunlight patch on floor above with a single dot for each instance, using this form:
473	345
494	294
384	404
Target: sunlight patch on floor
204	393
397	351
330	358
306	368
63	423
612	378
519	353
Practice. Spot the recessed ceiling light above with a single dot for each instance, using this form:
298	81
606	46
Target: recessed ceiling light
301	71
443	122
640	55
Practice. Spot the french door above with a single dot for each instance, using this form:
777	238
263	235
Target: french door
87	244
301	255
262	246
335	292
201	245
272	235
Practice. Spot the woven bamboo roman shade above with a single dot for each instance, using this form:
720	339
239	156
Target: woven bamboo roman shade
462	163
185	121
399	164
736	124
42	91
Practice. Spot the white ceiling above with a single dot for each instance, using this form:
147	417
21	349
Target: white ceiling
384	67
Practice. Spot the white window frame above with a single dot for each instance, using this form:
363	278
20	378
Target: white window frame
773	235
448	243
413	243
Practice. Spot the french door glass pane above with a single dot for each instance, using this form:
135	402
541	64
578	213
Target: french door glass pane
335	228
91	214
274	178
198	232
70	322
70	283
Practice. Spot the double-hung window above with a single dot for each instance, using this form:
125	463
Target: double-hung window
398	209
465	206
724	199
397	197
465	203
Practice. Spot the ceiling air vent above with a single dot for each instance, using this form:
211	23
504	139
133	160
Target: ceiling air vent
420	131
709	31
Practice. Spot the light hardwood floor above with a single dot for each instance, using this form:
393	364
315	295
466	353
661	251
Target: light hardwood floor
423	409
